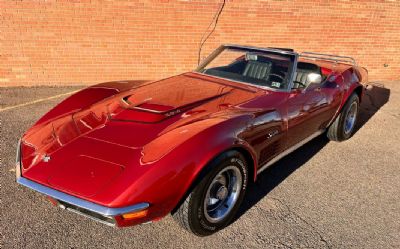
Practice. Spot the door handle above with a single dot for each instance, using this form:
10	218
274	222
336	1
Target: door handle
318	89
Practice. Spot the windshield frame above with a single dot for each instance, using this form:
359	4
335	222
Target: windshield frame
221	48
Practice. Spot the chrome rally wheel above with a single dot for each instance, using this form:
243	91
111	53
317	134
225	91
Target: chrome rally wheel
222	194
350	118
343	126
214	201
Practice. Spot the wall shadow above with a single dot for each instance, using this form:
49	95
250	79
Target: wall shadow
376	95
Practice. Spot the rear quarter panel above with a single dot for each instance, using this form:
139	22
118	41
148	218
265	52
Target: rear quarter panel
351	81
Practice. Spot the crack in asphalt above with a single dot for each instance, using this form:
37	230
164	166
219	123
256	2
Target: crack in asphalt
290	211
285	245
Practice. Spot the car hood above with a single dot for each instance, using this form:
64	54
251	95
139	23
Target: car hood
83	151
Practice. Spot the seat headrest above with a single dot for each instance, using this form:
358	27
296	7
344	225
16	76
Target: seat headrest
307	66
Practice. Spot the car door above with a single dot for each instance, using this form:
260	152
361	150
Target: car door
310	109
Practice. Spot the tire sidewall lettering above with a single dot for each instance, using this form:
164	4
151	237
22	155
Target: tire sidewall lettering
235	161
242	166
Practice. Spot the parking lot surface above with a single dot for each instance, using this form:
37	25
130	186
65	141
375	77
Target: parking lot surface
324	195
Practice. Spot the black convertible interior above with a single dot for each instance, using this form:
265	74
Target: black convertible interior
255	69
263	70
303	70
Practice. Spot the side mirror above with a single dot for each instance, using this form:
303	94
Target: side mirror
314	78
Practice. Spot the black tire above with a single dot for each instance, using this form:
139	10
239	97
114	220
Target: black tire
193	214
337	131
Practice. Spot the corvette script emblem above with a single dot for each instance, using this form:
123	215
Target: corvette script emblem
272	133
46	158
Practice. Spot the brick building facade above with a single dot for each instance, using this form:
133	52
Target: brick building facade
49	42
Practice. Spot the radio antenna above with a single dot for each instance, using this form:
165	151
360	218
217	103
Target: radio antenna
214	21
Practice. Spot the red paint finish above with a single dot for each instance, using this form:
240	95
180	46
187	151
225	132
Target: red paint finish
118	144
92	174
311	109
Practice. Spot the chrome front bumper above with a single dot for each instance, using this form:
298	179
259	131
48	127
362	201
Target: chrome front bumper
74	204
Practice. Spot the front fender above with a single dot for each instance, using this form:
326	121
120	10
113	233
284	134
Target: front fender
171	173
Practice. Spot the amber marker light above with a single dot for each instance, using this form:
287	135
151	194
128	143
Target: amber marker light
135	215
53	201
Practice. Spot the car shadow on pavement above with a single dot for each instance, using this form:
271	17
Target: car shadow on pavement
376	95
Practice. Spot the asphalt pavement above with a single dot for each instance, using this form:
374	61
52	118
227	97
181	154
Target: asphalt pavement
324	195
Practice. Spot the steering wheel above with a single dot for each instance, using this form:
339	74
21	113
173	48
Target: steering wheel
281	77
300	83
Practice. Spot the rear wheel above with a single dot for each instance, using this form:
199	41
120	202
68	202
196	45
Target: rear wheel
214	201
343	126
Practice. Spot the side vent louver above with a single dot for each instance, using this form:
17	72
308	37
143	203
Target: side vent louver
268	152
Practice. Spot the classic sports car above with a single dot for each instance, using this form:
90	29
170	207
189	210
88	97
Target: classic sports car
124	153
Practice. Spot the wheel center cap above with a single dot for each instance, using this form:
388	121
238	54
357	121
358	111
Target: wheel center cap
222	193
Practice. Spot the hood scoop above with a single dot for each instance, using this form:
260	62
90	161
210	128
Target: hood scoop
150	112
146	106
156	108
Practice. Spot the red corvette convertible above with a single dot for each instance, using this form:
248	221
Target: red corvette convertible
189	145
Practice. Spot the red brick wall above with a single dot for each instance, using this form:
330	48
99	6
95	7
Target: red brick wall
88	41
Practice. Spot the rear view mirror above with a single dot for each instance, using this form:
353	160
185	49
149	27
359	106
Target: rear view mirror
314	78
251	57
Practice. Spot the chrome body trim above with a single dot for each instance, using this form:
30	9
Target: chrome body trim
244	83
267	49
96	208
87	216
293	73
106	212
307	55
289	150
329	57
136	107
147	110
78	202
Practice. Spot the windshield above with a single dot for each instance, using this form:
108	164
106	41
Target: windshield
252	66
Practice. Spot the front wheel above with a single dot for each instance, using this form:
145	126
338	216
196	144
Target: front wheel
214	201
343	126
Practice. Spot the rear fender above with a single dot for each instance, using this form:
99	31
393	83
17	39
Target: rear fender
349	81
352	83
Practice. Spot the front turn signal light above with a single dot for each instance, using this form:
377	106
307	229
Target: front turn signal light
135	215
